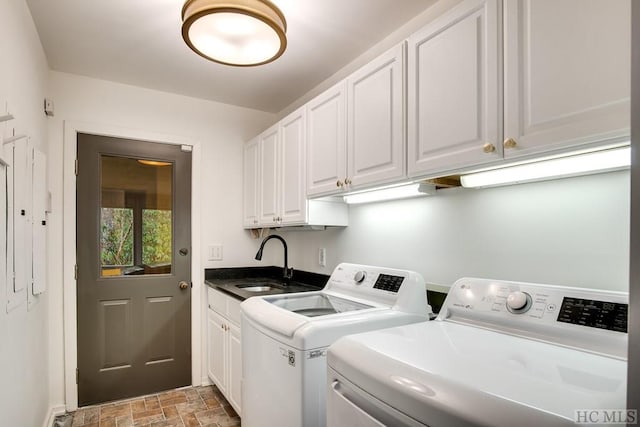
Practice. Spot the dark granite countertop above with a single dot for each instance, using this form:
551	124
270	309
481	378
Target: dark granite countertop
231	280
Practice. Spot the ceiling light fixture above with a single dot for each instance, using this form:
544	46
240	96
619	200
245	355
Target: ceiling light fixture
234	32
154	163
561	167
404	191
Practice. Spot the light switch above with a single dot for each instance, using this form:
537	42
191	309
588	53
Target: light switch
215	253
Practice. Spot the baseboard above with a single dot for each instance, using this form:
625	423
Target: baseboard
54	411
205	381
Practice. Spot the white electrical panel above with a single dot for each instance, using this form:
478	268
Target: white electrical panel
3	222
23	223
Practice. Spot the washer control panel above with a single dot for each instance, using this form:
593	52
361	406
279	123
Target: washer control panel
387	282
402	289
593	313
596	319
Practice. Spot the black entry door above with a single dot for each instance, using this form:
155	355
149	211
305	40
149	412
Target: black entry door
134	268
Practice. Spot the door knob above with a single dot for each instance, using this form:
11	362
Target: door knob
183	285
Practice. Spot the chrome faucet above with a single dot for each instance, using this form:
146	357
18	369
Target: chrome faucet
287	273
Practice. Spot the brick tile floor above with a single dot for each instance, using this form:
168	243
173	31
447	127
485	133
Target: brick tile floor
186	407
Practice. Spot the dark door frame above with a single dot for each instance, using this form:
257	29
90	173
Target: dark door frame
70	346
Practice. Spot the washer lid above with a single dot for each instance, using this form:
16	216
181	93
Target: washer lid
317	304
439	371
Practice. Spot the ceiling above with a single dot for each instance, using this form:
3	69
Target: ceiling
140	43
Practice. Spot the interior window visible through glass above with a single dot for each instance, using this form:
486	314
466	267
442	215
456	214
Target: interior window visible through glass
136	221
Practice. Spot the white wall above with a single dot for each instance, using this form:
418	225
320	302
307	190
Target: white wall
24	372
572	232
219	130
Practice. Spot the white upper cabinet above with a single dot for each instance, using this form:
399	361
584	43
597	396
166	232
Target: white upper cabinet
494	80
268	181
281	159
293	198
454	78
375	131
327	141
282	172
250	183
356	131
567	73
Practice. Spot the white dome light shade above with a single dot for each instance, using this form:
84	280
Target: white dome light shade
240	32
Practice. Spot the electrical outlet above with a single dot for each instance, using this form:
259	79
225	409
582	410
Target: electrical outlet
322	257
215	253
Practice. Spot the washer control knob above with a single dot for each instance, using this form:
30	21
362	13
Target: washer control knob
360	276
518	302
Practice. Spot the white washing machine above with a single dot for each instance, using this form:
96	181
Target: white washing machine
285	338
499	354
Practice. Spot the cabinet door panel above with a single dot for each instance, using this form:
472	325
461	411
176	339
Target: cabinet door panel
292	163
216	350
235	368
375	113
250	183
567	72
453	90
326	141
269	176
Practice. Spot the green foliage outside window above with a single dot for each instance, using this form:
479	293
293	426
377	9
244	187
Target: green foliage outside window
117	245
117	236
156	236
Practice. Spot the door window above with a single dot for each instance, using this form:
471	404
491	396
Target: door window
136	221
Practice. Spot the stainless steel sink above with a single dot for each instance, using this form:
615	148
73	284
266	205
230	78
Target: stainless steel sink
258	287
255	288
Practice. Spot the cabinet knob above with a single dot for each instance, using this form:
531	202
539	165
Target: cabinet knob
339	183
347	181
509	143
488	148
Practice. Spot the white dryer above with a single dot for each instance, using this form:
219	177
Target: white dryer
499	354
285	338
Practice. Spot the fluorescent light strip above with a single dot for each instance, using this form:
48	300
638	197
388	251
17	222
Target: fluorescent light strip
563	167
390	193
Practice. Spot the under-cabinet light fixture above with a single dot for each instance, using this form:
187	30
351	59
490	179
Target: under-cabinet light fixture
562	167
405	191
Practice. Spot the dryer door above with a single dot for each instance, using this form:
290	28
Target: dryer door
348	405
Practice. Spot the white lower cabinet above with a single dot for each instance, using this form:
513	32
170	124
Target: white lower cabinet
224	351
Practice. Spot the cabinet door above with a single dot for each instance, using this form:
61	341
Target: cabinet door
293	194
268	182
235	368
453	90
375	137
567	73
250	184
216	350
326	142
